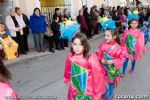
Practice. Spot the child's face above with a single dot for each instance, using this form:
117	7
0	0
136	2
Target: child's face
134	24
108	36
77	46
57	20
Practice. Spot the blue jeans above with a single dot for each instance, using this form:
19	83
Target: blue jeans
38	40
109	91
126	64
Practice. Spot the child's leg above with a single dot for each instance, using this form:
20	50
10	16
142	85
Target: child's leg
105	94
62	43
133	65
125	66
110	91
57	43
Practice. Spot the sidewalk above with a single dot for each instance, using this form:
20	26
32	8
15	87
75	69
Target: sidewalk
33	55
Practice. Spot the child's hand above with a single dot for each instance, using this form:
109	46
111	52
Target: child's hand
103	61
110	61
68	83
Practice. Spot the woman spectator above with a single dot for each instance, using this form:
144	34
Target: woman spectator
15	25
87	18
94	20
82	21
66	14
38	27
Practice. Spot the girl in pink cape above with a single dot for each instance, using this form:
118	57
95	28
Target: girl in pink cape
133	41
83	72
111	56
6	92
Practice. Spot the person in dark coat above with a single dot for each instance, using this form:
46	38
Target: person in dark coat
94	20
25	20
82	21
87	18
59	43
58	13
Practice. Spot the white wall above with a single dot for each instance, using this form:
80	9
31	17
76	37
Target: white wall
76	5
26	6
67	1
98	2
89	3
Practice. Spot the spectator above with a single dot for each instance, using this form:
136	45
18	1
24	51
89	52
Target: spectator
57	13
66	14
59	43
8	44
25	22
38	27
15	25
82	21
87	18
94	20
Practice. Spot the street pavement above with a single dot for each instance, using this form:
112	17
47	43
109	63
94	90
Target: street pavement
42	77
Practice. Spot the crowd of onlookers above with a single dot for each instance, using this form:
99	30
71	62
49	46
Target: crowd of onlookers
18	25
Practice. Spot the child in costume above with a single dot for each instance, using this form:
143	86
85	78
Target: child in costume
146	32
133	41
83	72
111	56
6	92
9	45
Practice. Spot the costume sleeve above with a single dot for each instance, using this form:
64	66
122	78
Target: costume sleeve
67	71
8	92
123	38
141	45
98	78
99	52
119	57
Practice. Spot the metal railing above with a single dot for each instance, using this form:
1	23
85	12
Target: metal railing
48	11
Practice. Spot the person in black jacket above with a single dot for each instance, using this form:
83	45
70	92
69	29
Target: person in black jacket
87	18
82	21
25	20
59	43
58	14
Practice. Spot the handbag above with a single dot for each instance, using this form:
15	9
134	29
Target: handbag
48	32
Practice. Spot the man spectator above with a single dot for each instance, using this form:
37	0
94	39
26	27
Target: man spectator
58	13
25	22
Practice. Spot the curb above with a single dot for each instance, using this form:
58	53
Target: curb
33	57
